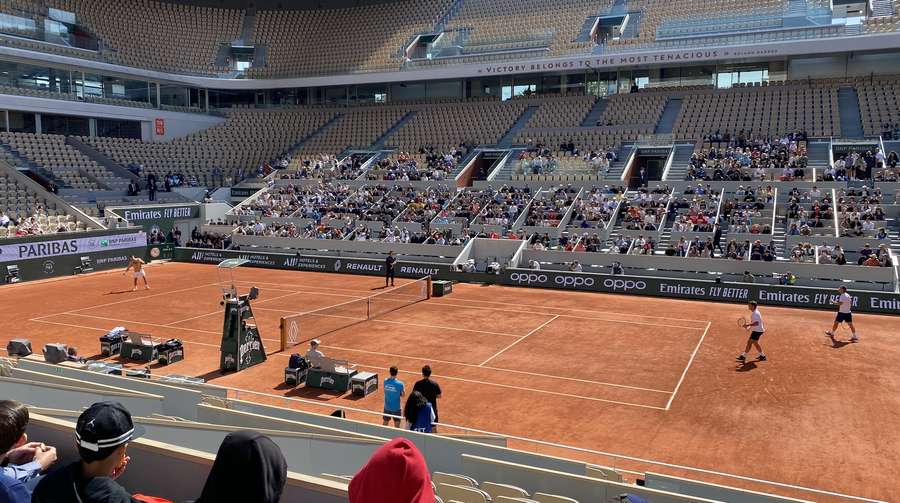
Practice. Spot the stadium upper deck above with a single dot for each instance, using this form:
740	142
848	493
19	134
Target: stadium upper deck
410	35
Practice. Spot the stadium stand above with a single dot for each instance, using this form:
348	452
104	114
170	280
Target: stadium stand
192	34
235	148
376	43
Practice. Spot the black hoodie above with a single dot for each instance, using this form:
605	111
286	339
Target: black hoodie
66	485
249	468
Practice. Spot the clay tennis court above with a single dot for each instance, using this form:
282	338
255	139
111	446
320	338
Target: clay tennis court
651	380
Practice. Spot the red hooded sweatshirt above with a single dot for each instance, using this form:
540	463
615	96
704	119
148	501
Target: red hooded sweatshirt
396	473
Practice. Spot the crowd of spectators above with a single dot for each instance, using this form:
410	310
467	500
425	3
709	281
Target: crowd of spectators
37	223
782	159
595	207
158	236
209	240
504	205
645	209
550	206
858	166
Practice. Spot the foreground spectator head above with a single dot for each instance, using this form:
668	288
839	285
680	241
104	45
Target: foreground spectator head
102	434
249	468
13	420
396	473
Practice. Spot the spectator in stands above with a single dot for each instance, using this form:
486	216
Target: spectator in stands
748	277
133	188
430	390
21	462
534	265
4	219
249	467
396	473
102	434
394	390
419	413
151	186
575	266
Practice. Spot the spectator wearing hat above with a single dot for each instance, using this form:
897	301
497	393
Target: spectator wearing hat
252	460
102	434
396	473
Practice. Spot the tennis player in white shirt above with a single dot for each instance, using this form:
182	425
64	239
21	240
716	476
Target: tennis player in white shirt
756	328
844	302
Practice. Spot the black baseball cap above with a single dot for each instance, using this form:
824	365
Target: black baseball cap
104	425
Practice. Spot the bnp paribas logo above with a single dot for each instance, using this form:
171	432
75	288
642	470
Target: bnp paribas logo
104	243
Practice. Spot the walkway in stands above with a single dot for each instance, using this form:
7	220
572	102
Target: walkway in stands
642	377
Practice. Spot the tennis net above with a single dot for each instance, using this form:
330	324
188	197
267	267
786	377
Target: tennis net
303	327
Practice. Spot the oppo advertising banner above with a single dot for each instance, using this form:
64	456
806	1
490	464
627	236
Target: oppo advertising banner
30	250
796	296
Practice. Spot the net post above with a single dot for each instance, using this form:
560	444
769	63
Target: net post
428	291
283	336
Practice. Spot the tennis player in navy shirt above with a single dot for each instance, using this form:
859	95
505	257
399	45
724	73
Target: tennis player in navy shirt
394	390
389	264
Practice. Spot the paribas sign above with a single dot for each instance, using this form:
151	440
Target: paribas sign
62	247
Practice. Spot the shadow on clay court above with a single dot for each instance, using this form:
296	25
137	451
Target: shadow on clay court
119	292
324	395
838	344
746	367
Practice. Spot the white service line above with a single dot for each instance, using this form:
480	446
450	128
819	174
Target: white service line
611	320
498	353
142	297
219	311
688	366
571	309
504	370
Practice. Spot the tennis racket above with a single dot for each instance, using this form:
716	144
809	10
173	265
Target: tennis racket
742	322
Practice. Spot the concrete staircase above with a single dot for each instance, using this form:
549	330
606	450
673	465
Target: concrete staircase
778	236
121	176
506	169
817	153
380	142
507	140
848	106
618	166
667	119
680	159
324	127
584	35
593	117
634	23
882	8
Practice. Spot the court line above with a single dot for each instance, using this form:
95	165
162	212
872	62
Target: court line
314	286
220	310
498	353
611	320
500	369
449	378
424	325
143	297
573	309
307	291
688	366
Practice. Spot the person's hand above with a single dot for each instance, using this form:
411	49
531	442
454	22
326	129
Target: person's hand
22	454
45	456
119	470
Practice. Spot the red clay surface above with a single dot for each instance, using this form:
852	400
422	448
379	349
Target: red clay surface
653	379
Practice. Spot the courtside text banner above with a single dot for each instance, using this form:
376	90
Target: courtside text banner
72	245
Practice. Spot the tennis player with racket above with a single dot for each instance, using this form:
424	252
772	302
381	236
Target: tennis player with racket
844	301
756	328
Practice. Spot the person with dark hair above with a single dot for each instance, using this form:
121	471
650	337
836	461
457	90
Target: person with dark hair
249	468
419	413
390	263
756	328
396	473
102	434
394	389
21	462
430	389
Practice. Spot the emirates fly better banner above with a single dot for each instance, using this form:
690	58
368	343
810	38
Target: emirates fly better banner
15	252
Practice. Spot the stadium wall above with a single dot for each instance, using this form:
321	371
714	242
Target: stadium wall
51	255
789	296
